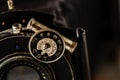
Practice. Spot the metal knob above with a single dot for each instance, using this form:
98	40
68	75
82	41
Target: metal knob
17	27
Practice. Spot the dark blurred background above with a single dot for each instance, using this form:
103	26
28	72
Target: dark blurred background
100	19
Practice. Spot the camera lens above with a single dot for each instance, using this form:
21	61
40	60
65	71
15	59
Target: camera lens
21	66
23	73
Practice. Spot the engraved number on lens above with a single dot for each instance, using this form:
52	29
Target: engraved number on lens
46	46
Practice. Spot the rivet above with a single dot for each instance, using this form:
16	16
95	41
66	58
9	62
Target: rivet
3	23
23	20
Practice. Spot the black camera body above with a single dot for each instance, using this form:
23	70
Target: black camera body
19	59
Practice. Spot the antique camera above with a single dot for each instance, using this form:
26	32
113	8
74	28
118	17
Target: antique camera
32	47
